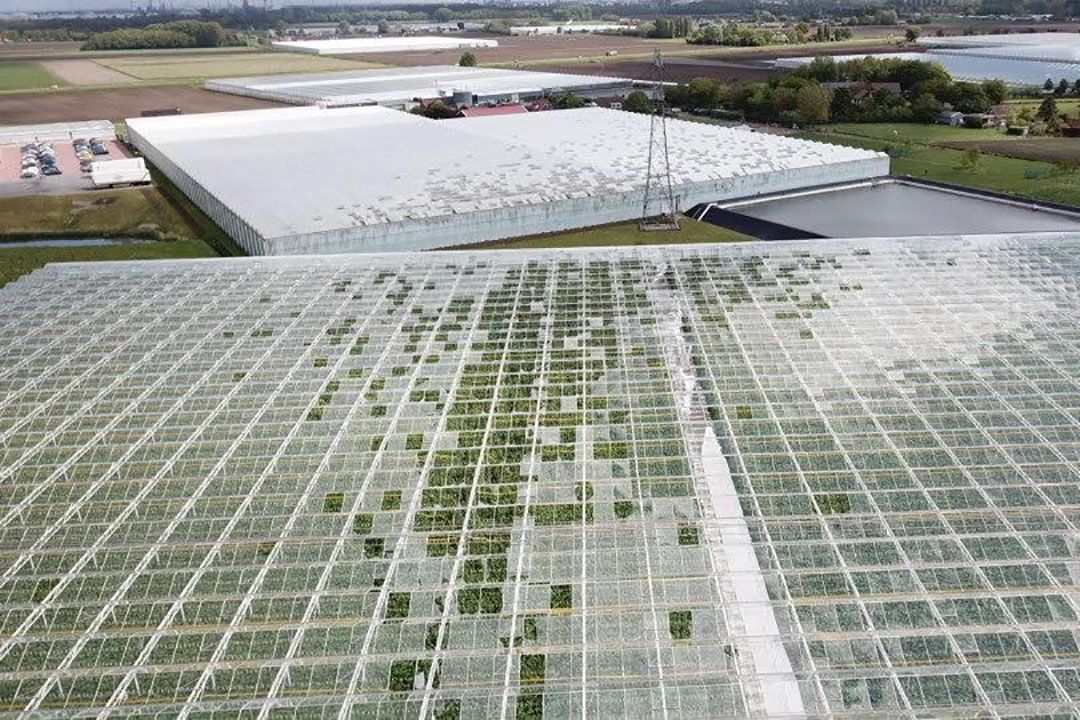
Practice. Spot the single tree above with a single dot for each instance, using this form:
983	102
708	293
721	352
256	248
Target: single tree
1062	88
1048	85
911	34
996	91
812	102
1047	111
567	101
1076	88
638	102
926	108
468	59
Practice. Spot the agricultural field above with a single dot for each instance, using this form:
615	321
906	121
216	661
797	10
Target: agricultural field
923	152
1049	149
691	231
15	76
161	68
142	213
822	479
37	50
117	104
86	73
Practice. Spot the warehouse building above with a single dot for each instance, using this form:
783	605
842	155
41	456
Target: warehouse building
364	45
404	86
368	179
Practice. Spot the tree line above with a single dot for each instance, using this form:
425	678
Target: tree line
176	34
864	90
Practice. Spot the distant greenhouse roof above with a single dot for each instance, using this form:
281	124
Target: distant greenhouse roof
1017	59
782	480
401	85
347	46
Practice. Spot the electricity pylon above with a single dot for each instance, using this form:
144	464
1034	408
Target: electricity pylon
659	210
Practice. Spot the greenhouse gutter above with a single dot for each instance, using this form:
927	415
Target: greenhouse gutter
779	687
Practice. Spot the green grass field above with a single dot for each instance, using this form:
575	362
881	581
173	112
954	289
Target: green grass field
25	76
109	213
691	231
151	68
913	132
144	213
914	154
16	262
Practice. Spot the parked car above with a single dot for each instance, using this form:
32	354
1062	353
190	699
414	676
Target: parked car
29	173
98	149
51	170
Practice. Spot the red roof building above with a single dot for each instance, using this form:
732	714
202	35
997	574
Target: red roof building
481	111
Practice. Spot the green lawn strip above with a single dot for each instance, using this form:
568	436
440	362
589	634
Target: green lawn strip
15	76
17	261
138	212
128	213
914	132
1026	178
626	233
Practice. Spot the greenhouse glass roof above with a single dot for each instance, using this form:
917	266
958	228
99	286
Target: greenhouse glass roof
828	479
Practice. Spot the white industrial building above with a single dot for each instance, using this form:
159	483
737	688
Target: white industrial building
569	28
403	86
19	134
407	43
368	179
113	173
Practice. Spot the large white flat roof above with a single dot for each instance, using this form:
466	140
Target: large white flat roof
392	86
1015	39
344	46
304	170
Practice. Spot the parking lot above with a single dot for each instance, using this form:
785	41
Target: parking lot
71	180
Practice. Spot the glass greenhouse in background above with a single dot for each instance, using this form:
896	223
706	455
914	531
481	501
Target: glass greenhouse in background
829	479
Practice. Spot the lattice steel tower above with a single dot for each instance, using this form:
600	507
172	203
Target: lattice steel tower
659	211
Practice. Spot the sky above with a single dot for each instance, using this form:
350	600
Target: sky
75	5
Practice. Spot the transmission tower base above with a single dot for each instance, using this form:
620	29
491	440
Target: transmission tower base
659	223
